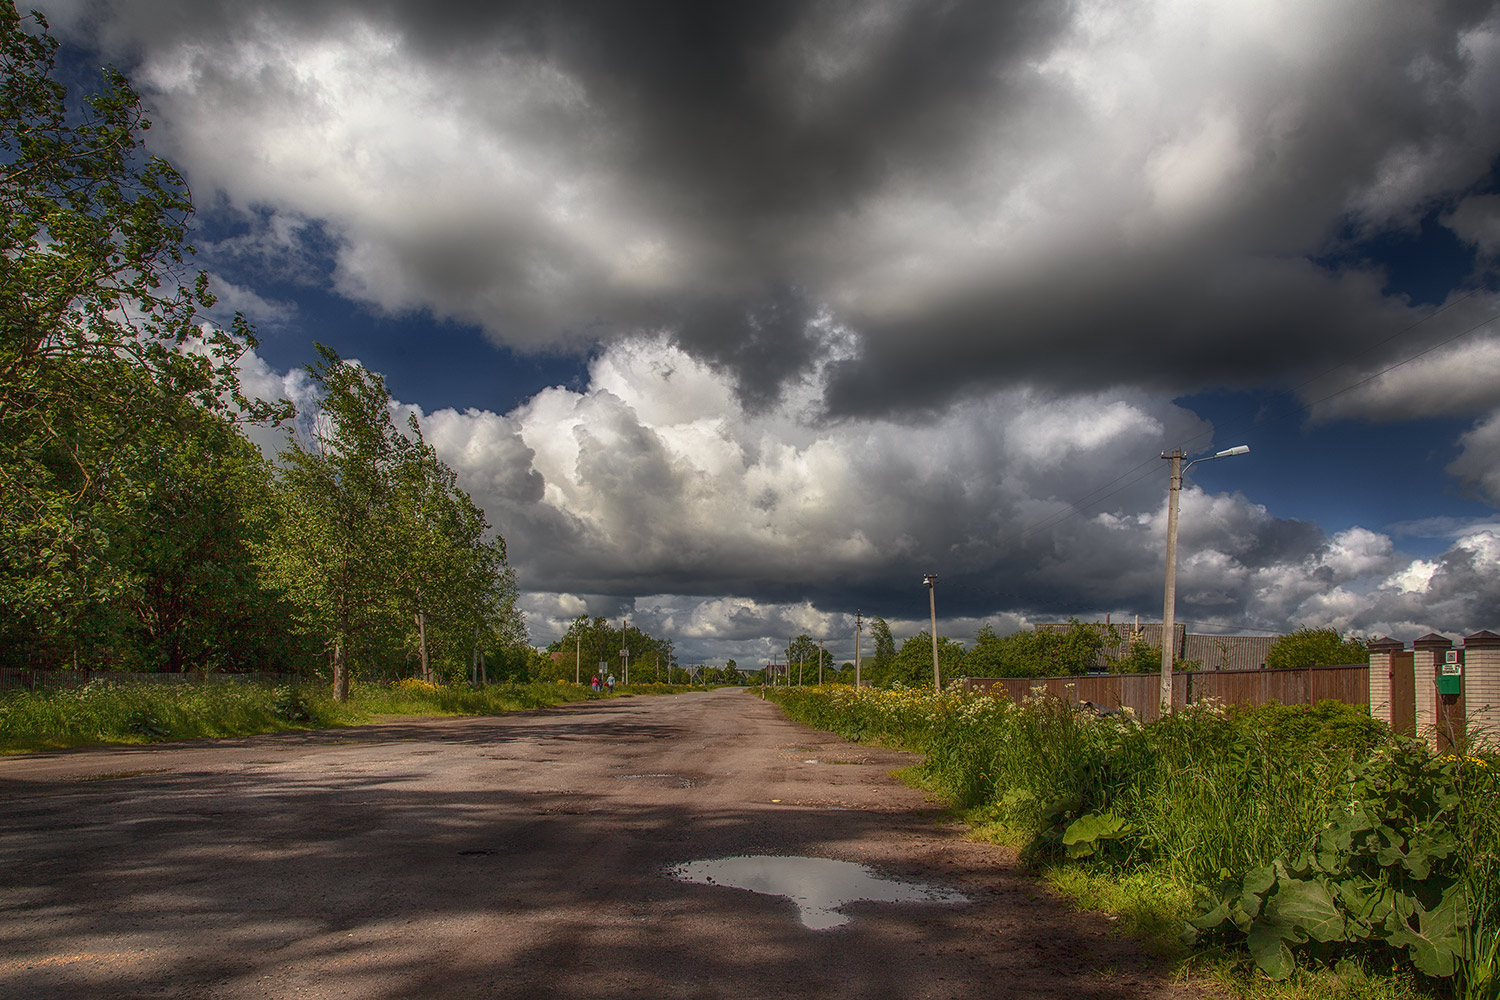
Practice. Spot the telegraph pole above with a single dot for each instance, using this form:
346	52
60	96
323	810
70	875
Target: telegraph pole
578	658
931	581
1169	601
859	624
1169	604
624	653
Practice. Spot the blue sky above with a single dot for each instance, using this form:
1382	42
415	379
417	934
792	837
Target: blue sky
740	318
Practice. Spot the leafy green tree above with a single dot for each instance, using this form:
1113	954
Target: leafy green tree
802	658
104	356
331	545
912	664
1140	658
885	645
1036	652
596	640
591	641
195	597
450	577
371	537
1315	647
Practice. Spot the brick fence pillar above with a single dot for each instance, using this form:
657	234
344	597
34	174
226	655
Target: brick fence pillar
1381	650
1427	655
1482	686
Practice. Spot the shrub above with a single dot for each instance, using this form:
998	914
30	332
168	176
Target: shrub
1315	647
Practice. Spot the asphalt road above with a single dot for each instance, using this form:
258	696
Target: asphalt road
523	855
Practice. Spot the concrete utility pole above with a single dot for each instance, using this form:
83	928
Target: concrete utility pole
820	664
578	658
1169	600
931	581
859	624
624	654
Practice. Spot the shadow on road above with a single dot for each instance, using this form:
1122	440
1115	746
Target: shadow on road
473	872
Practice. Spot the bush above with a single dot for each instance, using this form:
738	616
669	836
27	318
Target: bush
292	703
1315	647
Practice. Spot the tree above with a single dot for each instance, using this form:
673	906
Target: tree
802	656
597	640
1316	647
195	598
1035	652
372	539
1140	658
912	664
103	352
451	579
331	544
885	645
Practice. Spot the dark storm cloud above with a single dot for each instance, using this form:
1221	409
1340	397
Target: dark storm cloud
991	241
979	193
761	343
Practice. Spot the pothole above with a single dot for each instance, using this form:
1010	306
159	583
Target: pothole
820	887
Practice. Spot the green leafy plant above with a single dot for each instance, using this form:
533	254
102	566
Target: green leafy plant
1085	834
292	703
1383	872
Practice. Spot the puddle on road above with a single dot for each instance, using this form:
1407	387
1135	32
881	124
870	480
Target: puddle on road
819	886
677	780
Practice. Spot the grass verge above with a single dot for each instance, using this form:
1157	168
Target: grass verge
1321	810
130	713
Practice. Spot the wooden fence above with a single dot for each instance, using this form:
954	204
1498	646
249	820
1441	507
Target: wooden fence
11	678
1141	693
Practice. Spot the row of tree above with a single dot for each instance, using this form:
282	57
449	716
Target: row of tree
1080	648
594	645
139	527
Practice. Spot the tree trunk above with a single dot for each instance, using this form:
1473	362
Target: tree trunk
340	672
422	641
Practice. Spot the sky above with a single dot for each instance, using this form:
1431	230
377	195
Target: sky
739	318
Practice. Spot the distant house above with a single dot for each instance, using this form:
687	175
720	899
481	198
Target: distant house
1215	652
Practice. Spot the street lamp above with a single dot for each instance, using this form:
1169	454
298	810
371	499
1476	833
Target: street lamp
930	581
1169	604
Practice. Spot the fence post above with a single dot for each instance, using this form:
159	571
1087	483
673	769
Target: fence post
1381	651
1481	686
1427	654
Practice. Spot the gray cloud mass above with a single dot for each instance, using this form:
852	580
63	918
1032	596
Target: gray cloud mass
981	193
870	287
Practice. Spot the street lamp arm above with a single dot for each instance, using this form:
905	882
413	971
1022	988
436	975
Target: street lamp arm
1240	449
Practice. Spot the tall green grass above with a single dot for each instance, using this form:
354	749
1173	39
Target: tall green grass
102	712
1183	805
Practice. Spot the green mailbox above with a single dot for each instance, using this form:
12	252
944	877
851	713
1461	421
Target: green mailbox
1450	679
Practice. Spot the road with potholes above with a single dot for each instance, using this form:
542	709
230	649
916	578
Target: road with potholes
520	855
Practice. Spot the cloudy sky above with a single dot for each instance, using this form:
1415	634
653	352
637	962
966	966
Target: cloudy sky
740	317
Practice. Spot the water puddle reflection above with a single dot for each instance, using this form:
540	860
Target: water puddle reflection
819	886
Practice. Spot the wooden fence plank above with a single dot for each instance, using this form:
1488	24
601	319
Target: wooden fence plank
1347	683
